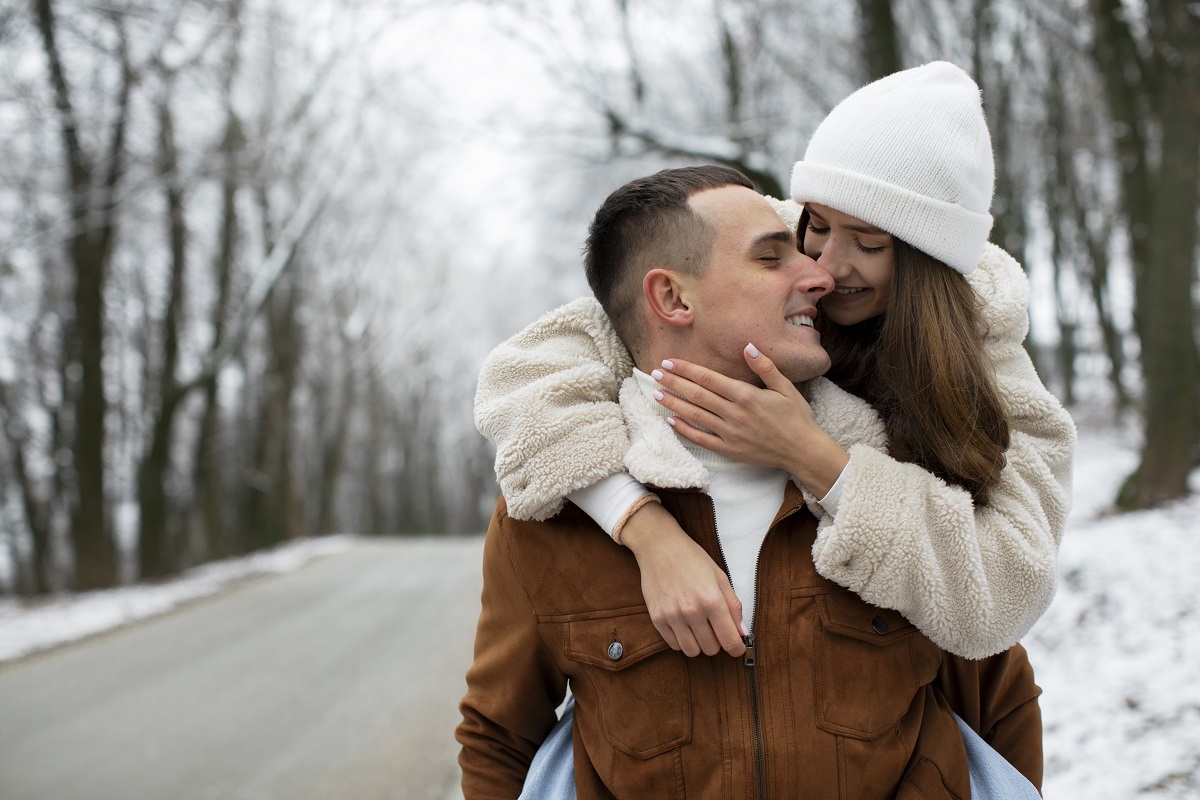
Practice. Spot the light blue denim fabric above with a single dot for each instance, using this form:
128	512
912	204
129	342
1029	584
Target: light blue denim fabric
552	773
992	777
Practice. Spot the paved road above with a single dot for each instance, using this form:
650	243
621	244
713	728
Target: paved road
337	681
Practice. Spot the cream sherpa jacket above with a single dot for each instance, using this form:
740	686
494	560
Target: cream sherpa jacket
973	579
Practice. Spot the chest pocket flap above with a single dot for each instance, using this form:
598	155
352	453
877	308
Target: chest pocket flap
871	664
633	679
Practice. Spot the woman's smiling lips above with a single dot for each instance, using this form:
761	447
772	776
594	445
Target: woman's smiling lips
844	295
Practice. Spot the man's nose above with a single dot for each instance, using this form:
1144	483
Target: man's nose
814	279
830	262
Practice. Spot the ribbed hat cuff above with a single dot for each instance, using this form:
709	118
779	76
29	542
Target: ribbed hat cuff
948	232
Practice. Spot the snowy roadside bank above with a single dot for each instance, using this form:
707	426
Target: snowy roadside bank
27	627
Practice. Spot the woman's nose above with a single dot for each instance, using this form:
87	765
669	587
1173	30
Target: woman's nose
830	262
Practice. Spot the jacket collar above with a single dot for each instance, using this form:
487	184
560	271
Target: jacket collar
656	456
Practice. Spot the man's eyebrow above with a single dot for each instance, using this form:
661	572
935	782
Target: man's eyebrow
786	237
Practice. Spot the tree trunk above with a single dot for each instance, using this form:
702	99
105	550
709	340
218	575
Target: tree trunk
36	519
34	577
1170	361
95	553
1096	246
333	454
378	437
206	479
89	250
273	514
157	556
1155	100
1057	194
880	38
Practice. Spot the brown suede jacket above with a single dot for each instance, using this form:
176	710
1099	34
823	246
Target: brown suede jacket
839	700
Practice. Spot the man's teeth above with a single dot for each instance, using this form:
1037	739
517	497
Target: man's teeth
853	290
801	319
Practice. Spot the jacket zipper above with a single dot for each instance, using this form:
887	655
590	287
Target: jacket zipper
748	659
751	664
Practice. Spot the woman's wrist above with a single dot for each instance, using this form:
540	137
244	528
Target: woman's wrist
818	461
645	526
646	499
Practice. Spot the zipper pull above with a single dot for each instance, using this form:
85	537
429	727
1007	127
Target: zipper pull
748	657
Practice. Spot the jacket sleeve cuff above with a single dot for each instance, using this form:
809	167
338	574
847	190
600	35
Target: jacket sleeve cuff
834	496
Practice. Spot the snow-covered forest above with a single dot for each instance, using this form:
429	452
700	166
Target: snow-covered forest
252	253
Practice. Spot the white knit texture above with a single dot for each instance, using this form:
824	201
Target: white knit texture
911	154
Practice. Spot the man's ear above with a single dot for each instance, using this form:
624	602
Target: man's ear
666	292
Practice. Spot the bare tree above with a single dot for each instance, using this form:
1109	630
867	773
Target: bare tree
734	89
1152	85
91	184
208	509
880	38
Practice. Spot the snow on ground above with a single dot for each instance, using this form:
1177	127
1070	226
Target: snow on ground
27	627
1118	652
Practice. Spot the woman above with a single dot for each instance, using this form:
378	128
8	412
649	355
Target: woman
944	499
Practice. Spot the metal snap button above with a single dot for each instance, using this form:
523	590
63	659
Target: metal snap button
615	651
879	625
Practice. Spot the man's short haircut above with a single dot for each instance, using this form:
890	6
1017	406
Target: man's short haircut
645	224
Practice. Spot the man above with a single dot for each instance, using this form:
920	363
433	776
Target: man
833	697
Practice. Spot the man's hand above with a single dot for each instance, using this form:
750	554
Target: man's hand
690	599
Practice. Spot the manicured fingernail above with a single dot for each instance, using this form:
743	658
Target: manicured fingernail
742	628
671	421
658	396
657	375
751	350
667	365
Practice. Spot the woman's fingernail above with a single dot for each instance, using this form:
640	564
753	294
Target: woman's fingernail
657	375
742	628
751	350
658	396
667	365
671	421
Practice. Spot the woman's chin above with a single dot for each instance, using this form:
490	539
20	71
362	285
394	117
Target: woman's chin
845	317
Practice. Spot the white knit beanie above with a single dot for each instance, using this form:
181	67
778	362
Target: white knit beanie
911	154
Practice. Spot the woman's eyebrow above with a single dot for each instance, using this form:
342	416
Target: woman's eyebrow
868	229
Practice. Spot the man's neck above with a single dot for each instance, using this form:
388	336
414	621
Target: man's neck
705	456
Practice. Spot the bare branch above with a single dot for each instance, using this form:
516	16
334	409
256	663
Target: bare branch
277	262
719	150
116	149
80	168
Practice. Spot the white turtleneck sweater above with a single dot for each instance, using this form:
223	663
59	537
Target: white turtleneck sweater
745	499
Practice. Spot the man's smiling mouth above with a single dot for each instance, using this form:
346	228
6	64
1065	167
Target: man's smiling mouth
801	319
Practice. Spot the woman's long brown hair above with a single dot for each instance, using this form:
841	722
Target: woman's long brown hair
921	365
